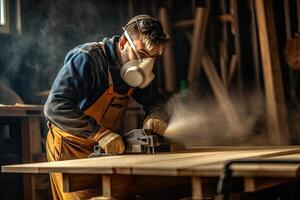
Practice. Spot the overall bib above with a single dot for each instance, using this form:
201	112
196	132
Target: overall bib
108	110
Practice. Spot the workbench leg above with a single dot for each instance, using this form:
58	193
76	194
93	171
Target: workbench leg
106	188
31	144
197	193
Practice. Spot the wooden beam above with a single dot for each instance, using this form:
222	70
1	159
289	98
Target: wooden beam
232	68
221	93
223	62
183	24
254	44
168	55
275	103
200	23
237	45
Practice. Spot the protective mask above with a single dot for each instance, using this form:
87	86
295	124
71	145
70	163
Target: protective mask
137	73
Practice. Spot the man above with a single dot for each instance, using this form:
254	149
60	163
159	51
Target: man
90	95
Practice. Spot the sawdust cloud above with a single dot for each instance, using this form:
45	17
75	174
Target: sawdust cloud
198	121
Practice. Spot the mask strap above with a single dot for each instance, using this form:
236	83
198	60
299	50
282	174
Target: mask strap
133	46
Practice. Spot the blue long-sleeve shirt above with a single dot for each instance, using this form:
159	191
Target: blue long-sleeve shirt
83	79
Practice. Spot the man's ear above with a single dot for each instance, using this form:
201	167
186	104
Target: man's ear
122	42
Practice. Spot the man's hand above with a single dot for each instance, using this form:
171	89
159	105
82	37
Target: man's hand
158	126
112	143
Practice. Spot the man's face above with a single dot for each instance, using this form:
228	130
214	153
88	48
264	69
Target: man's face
127	54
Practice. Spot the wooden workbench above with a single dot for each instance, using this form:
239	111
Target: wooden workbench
199	168
28	119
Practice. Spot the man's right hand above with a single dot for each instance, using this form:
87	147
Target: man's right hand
111	142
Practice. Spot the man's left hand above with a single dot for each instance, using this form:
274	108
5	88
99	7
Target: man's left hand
158	126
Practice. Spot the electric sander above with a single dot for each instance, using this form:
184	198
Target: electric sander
139	141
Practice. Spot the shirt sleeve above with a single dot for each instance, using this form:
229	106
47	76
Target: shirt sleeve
152	100
72	84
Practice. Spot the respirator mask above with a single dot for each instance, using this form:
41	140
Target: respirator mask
138	72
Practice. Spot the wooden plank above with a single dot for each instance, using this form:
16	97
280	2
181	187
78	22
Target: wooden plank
185	166
224	44
200	23
19	106
208	163
232	68
168	55
20	110
289	170
278	82
223	62
221	93
106	163
276	113
254	45
183	24
237	46
293	156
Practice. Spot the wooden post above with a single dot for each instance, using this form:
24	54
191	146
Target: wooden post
106	186
275	103
254	44
232	68
183	24
130	8
197	193
286	6
223	47
221	93
168	55
200	22
237	46
31	138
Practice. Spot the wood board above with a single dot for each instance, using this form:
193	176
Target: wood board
200	162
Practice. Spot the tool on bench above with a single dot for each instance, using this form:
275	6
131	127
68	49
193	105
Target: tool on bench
138	141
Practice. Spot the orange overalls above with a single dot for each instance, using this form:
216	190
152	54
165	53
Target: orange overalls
108	111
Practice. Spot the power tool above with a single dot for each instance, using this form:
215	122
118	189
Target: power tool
139	141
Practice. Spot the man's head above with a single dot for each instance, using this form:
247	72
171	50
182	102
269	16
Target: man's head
143	40
147	35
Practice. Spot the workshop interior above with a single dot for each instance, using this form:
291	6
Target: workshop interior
211	108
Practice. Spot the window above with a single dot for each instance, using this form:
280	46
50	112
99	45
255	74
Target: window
2	16
4	22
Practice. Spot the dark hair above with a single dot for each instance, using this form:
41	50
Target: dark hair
148	29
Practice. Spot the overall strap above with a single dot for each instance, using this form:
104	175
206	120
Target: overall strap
110	83
130	91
